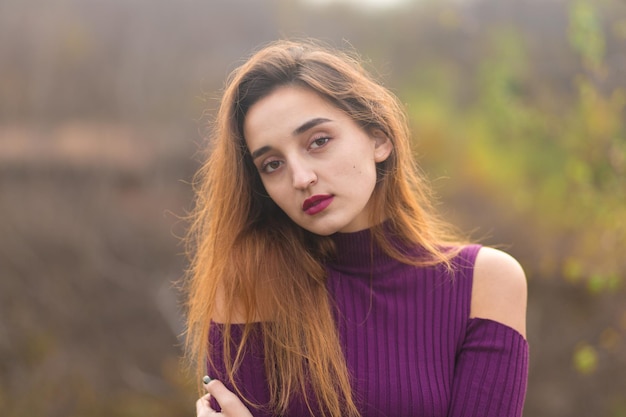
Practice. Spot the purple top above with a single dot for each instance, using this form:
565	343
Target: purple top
410	346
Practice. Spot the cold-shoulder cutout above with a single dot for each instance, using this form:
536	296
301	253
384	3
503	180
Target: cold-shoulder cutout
499	290
223	310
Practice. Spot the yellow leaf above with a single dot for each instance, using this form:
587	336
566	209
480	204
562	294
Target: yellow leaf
585	359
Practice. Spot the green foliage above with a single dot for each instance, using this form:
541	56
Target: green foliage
585	359
553	171
561	171
585	33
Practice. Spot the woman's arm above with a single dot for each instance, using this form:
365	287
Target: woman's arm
250	375
491	368
499	289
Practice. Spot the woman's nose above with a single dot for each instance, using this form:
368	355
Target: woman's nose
303	176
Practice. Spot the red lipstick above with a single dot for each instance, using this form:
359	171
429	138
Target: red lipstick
316	203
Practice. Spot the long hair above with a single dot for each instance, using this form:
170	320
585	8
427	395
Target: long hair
251	263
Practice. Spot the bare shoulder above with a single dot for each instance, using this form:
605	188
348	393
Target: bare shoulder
499	289
225	311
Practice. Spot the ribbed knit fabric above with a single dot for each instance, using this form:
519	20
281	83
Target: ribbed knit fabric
410	346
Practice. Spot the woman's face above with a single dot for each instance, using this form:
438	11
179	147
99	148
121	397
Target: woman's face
315	162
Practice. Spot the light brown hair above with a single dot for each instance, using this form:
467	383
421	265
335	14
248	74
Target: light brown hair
251	263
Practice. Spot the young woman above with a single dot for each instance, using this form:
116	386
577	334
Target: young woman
322	282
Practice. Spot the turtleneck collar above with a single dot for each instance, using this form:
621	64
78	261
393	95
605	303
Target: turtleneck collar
358	253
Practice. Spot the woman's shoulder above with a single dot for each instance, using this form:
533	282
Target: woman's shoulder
499	289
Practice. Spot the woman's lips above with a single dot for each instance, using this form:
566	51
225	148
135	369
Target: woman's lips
316	203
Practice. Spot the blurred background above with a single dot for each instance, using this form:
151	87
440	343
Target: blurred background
519	114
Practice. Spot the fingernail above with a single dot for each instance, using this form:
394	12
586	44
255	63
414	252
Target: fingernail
206	379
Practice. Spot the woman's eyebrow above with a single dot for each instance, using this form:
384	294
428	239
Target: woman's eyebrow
260	152
310	124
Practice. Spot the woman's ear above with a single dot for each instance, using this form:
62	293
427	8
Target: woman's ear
382	145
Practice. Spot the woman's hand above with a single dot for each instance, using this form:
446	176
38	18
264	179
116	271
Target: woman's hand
231	404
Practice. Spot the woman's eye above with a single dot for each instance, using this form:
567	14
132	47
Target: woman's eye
271	166
318	143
